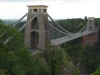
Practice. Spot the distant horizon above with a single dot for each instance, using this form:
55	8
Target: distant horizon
54	19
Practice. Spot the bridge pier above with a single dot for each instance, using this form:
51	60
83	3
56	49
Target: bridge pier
92	38
37	31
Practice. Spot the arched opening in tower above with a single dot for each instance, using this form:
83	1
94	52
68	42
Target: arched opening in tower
34	40
90	28
34	24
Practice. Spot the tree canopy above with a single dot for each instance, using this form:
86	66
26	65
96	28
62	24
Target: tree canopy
16	59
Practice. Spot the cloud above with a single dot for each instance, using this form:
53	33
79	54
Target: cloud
75	1
39	0
15	0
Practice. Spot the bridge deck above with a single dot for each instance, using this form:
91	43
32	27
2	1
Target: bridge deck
61	40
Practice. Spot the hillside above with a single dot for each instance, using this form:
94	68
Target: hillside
16	59
51	61
88	57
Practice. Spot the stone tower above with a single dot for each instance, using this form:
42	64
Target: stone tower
37	30
90	39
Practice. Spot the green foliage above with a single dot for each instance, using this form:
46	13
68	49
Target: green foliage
97	72
87	59
59	62
3	72
7	31
90	58
32	64
16	38
97	22
40	65
17	59
8	61
72	25
73	48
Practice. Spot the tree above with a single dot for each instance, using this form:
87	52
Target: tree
59	62
90	58
97	72
16	59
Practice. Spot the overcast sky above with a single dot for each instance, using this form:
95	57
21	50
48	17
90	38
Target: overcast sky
58	9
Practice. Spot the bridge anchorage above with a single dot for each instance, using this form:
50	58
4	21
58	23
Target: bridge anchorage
39	30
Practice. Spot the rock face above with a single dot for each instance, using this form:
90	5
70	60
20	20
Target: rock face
59	62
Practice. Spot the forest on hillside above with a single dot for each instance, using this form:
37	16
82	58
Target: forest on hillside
71	59
87	58
16	59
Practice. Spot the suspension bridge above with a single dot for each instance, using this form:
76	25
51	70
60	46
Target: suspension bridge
39	29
